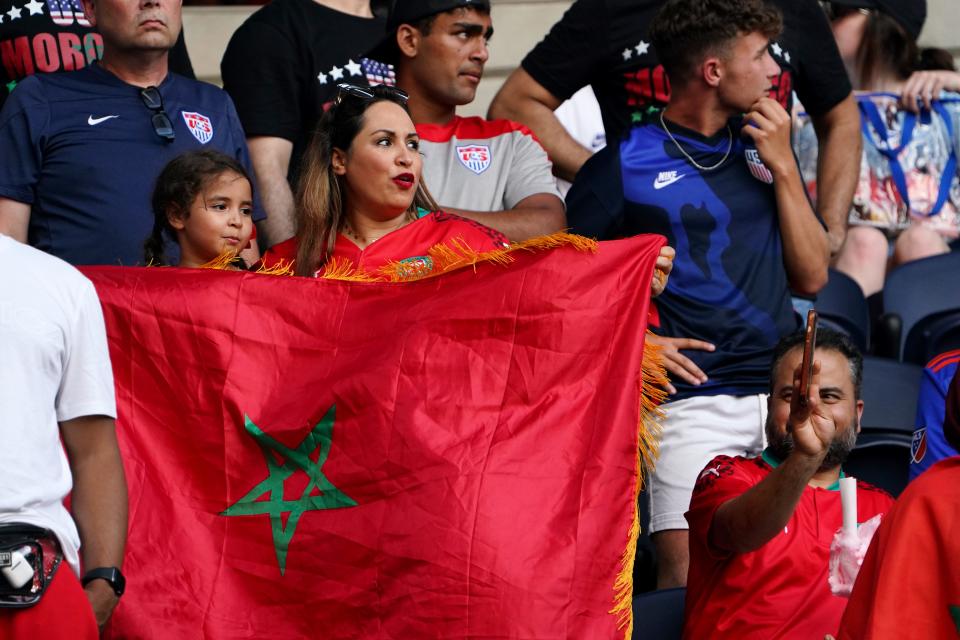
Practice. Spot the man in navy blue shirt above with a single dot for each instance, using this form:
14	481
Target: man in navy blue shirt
79	152
713	172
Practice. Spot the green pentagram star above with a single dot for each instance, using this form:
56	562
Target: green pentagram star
331	498
11	85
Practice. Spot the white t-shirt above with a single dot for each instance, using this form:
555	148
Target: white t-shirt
54	366
580	116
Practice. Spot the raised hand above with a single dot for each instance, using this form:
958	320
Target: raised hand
811	426
768	125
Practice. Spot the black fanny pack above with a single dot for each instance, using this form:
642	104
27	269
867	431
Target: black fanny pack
29	557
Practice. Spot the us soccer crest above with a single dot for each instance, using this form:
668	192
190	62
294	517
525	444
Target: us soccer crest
475	157
199	125
918	447
757	169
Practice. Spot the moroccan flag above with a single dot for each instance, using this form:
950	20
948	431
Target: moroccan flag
455	457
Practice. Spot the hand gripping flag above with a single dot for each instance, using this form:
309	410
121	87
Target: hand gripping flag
455	457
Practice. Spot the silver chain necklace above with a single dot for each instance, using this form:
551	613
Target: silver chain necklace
687	155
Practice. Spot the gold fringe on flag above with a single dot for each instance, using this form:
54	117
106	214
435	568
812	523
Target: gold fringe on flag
223	262
343	269
226	261
282	268
447	257
653	381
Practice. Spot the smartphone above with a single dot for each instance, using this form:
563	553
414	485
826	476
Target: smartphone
809	347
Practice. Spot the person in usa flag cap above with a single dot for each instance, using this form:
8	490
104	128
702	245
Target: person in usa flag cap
715	173
80	151
491	171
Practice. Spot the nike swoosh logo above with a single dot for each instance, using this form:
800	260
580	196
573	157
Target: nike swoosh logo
95	121
660	184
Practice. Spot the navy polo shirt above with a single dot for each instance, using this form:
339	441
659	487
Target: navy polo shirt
81	150
729	284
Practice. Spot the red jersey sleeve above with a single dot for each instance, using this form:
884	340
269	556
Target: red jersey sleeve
723	479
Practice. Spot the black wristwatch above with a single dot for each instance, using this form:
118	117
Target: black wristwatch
111	574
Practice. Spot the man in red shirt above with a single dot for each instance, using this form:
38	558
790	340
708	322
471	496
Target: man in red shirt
760	528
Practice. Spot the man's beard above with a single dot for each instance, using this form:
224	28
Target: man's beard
843	443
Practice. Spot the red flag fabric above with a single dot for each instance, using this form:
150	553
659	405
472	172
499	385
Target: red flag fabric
448	458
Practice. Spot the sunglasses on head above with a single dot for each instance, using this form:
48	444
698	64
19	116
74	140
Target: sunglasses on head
367	94
837	12
162	125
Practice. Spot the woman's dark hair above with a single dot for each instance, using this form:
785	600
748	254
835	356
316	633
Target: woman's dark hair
886	48
934	59
320	195
178	185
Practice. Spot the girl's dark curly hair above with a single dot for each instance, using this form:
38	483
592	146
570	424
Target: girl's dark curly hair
178	185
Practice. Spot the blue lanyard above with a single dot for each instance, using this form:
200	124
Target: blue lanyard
871	117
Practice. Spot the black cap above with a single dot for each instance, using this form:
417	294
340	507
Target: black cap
909	14
409	12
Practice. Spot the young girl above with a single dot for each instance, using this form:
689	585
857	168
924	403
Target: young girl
204	201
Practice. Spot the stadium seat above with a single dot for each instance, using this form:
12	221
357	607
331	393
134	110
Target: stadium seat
841	306
933	335
889	394
659	615
882	463
882	455
924	294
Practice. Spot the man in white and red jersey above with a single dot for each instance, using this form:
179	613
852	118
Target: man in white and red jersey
491	171
761	528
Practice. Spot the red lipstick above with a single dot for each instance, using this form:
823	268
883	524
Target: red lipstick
404	180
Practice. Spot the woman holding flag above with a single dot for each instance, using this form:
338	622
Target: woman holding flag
363	207
361	200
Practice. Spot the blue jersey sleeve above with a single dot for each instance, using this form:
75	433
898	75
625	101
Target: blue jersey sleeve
23	123
595	201
929	444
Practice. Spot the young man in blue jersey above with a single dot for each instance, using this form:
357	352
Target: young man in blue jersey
80	151
714	172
